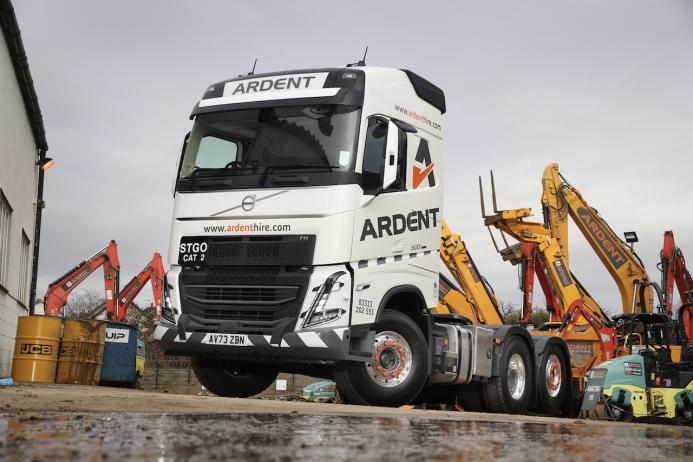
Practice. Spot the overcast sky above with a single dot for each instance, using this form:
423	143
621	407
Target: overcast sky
605	88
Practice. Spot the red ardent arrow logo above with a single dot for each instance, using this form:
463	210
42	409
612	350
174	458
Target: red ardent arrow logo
420	175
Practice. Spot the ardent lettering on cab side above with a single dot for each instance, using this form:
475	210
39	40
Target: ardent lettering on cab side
398	223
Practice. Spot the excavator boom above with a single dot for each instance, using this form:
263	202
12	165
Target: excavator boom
59	291
479	296
560	200
674	271
153	272
542	255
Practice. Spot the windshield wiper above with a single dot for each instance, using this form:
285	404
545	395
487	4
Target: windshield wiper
267	169
200	170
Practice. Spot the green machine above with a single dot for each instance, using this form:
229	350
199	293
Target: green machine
644	386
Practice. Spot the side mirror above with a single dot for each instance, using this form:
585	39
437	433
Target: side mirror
391	150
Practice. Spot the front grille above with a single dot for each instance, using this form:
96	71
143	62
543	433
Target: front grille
239	295
247	299
225	250
260	250
242	275
211	314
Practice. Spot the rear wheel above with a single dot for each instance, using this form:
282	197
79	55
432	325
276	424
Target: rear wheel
553	380
684	415
230	379
471	397
621	413
510	392
396	373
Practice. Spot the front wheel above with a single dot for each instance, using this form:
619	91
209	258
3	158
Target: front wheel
510	392
397	371
229	379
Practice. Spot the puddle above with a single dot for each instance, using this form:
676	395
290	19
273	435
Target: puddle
174	437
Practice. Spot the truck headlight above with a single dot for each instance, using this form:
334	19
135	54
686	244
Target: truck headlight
317	313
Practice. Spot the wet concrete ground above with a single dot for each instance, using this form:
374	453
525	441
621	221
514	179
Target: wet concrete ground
143	436
73	422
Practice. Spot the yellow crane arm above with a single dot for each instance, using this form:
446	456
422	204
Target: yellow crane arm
578	307
560	200
457	259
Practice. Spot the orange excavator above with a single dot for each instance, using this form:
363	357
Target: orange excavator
674	271
60	289
153	272
116	303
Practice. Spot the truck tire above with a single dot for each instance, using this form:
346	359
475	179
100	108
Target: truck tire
344	388
471	397
510	392
552	381
229	379
396	373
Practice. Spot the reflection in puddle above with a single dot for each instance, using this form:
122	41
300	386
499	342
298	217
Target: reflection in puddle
53	436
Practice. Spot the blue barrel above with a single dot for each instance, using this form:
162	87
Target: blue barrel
119	354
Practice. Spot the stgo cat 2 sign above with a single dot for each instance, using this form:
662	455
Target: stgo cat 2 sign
117	335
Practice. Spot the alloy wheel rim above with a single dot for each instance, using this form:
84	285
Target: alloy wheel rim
392	360
553	376
516	377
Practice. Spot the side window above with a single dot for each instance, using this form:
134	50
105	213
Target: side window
215	152
374	155
5	216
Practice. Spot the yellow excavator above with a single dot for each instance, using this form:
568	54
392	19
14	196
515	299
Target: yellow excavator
476	301
586	328
641	316
560	200
581	326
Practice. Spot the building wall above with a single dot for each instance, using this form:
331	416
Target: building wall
18	181
173	374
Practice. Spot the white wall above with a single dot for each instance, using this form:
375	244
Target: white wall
18	180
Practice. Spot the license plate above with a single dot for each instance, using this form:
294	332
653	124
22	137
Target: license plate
226	339
192	251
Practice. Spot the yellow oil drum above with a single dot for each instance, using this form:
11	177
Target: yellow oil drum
36	349
81	352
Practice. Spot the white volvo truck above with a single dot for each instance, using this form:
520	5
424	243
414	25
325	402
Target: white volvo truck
305	238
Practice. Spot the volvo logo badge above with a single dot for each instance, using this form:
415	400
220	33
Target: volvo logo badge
248	203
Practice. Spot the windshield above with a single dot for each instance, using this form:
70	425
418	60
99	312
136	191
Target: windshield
280	139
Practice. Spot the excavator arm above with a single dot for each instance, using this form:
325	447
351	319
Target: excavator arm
674	271
479	296
530	268
59	291
153	272
546	255
560	200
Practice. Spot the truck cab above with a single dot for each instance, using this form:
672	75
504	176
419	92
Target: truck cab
305	238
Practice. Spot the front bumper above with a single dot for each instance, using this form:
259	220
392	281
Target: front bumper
315	346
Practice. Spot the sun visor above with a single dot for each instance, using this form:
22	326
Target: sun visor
285	89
